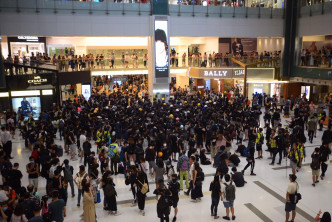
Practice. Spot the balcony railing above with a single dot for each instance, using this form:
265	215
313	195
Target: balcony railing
263	9
315	7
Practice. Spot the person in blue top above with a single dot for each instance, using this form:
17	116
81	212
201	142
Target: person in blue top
57	208
26	107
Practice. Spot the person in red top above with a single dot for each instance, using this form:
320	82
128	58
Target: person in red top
229	96
103	158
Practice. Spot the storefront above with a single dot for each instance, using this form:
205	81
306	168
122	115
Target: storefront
29	94
25	45
259	80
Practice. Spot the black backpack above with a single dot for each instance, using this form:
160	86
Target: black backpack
315	165
201	175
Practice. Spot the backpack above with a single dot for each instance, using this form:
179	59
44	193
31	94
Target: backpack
184	166
315	163
246	151
109	190
61	124
201	175
145	187
261	139
230	192
68	175
163	201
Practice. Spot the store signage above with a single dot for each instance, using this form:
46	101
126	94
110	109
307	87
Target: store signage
29	38
37	80
258	85
219	73
239	72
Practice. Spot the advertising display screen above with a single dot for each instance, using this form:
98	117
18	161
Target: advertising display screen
161	49
28	106
86	92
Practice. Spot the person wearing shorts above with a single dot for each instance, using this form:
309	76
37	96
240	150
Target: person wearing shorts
292	189
33	170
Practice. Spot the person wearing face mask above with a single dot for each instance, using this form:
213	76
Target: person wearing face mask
33	170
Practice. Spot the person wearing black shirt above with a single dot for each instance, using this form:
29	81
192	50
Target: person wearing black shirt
215	196
87	150
15	178
163	195
238	178
250	159
174	187
325	152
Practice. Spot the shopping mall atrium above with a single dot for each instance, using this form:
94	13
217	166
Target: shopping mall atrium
189	78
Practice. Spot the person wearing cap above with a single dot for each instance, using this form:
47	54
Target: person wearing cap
292	189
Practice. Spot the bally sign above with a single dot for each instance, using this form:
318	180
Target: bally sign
223	73
37	80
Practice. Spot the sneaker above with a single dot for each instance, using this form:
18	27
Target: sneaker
78	205
174	219
252	174
317	181
193	200
143	213
242	172
186	193
117	214
233	217
313	185
226	218
216	217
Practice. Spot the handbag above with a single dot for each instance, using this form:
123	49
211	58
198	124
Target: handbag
144	188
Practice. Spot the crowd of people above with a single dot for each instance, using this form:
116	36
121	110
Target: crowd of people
147	142
83	62
314	57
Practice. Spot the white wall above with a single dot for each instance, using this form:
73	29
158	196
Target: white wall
13	24
315	25
225	27
270	44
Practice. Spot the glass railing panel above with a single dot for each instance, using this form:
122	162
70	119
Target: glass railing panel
253	12
240	12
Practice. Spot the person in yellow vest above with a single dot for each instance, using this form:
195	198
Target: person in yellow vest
259	143
273	144
301	150
98	140
293	155
321	118
113	152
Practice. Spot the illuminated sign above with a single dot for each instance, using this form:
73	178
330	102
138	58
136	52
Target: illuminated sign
161	49
258	85
239	72
29	38
215	73
36	80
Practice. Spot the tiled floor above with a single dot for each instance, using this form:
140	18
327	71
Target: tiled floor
253	195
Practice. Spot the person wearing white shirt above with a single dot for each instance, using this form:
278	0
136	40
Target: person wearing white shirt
6	140
227	204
